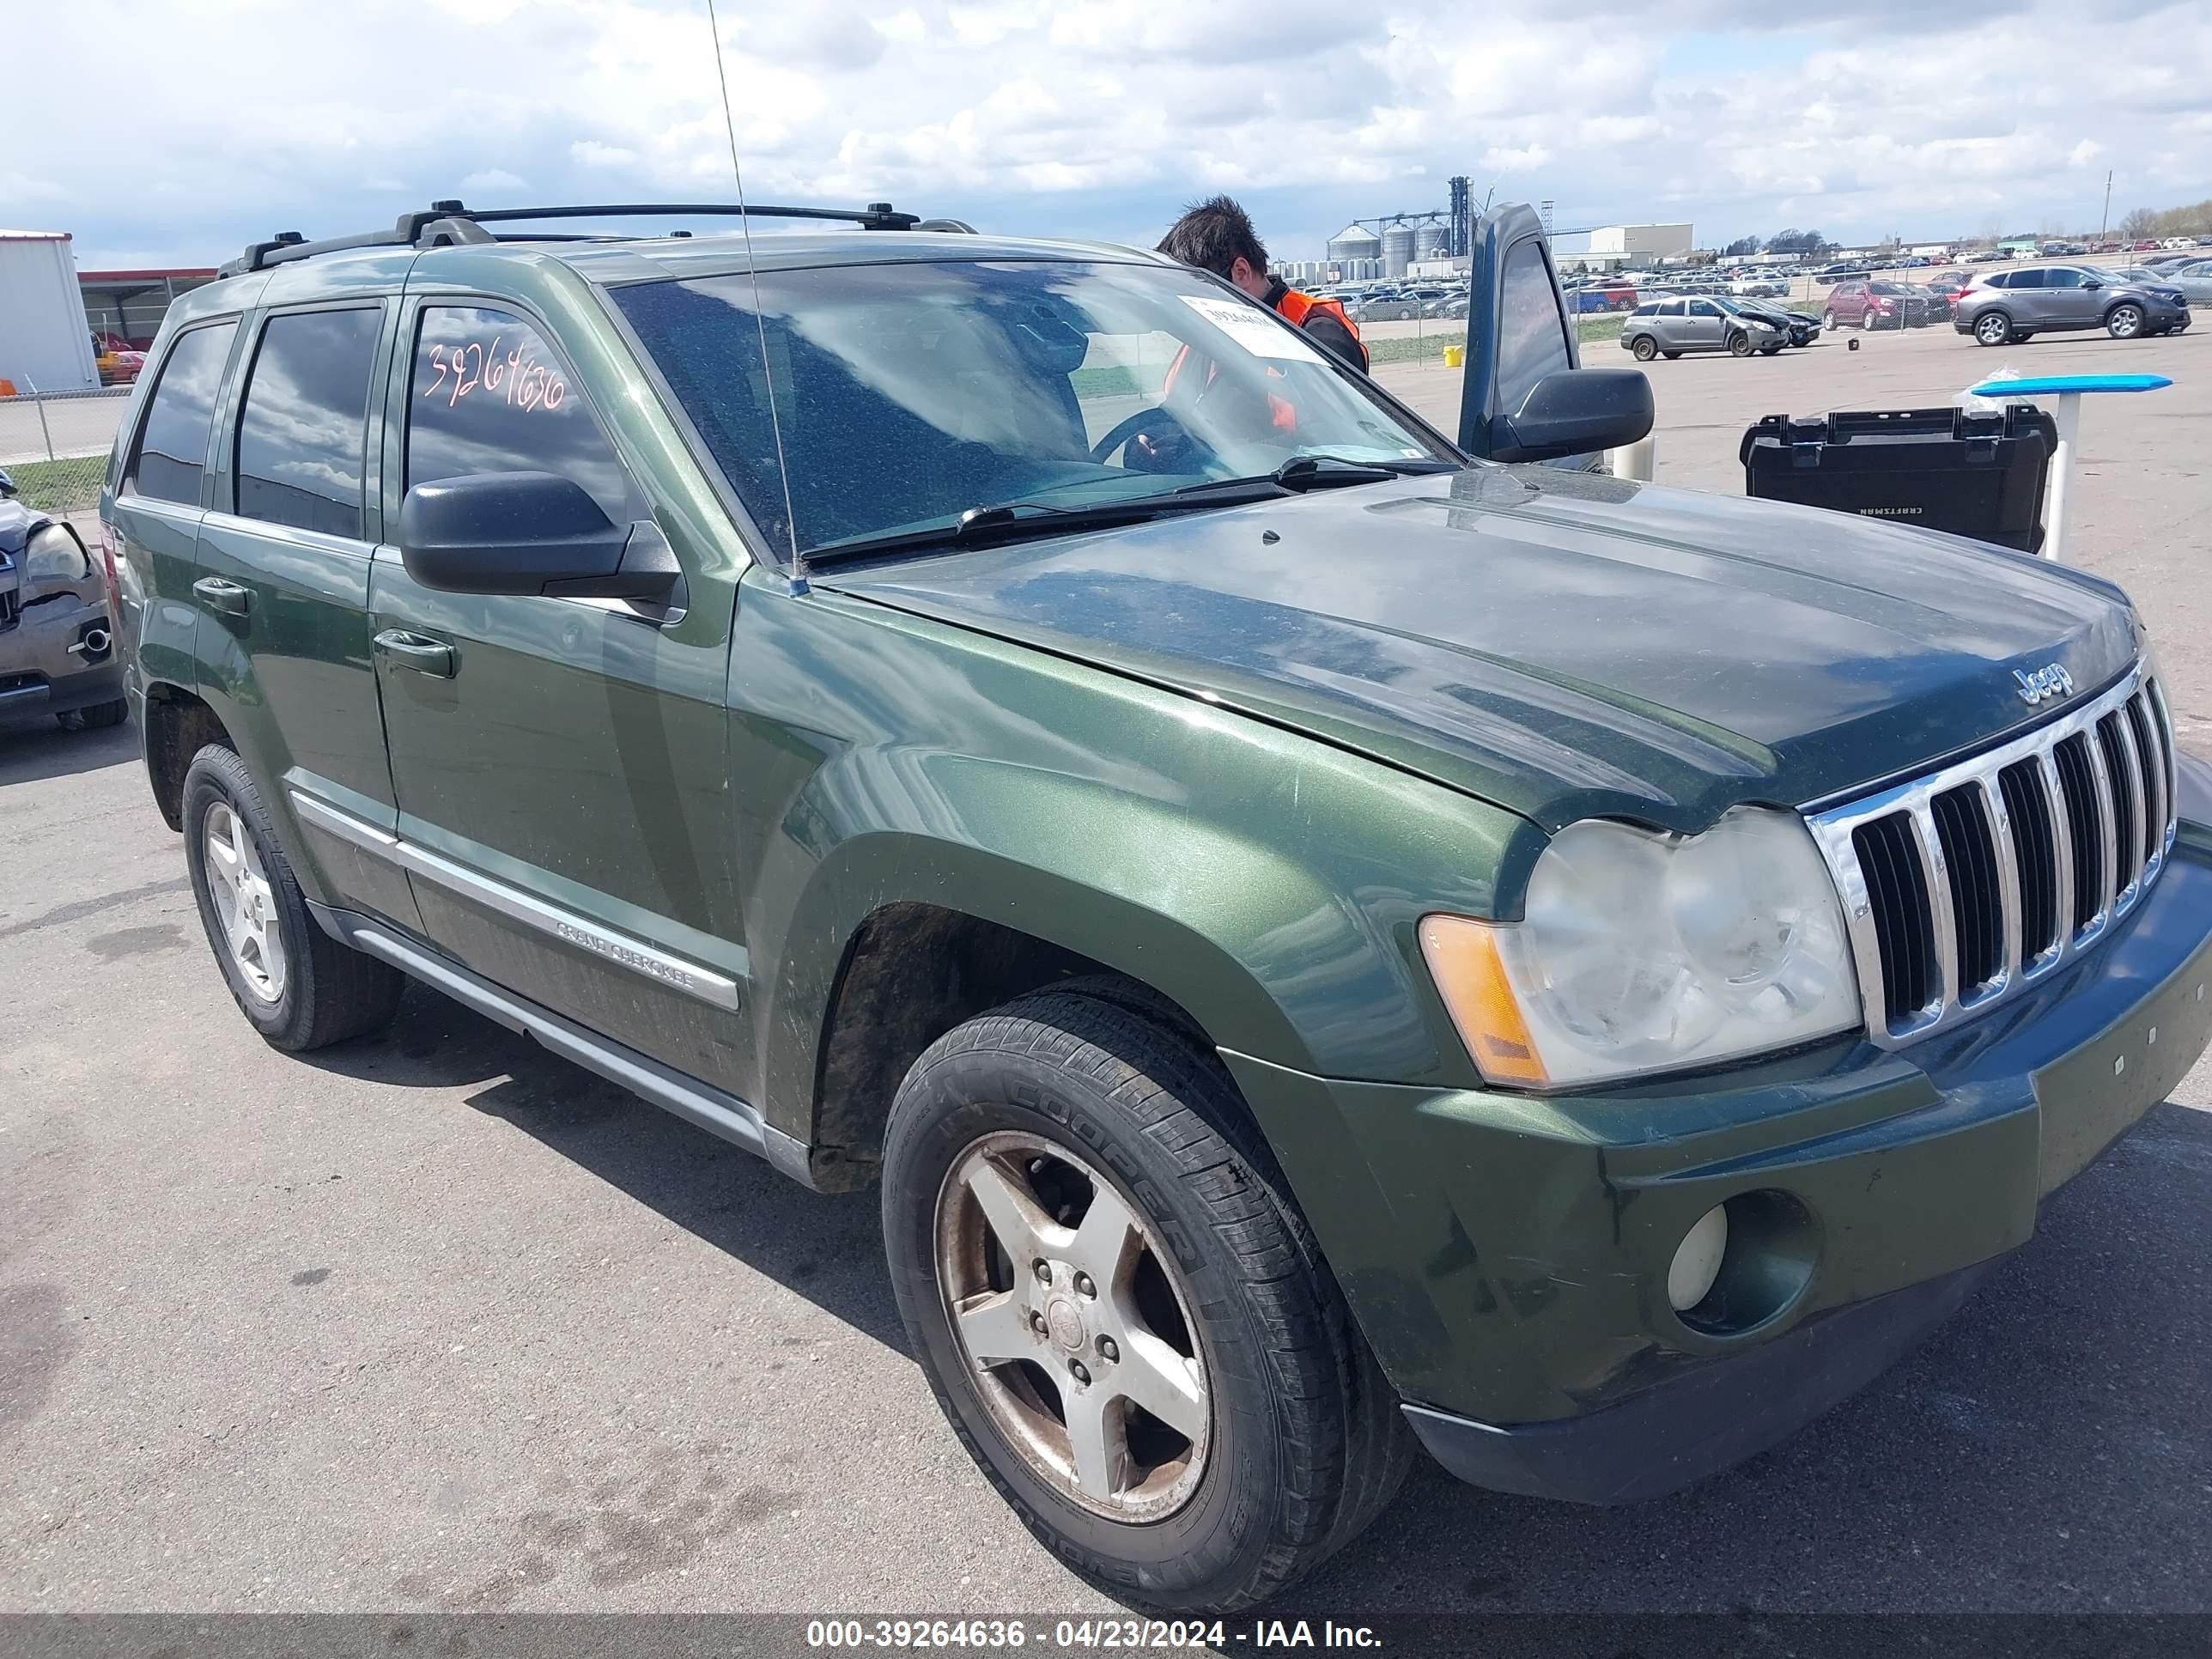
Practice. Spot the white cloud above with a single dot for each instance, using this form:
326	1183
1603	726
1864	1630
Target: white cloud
1097	116
1525	159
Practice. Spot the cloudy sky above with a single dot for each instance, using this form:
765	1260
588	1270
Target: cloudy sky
166	134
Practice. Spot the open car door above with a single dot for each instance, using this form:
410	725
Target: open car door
1527	397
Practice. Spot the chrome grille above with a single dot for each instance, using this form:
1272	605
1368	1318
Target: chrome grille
1965	886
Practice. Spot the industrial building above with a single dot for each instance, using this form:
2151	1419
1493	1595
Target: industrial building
45	345
130	305
1611	247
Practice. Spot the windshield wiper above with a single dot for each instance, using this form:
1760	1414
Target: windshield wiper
1303	472
1003	521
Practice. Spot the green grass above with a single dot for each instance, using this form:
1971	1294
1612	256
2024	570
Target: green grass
70	485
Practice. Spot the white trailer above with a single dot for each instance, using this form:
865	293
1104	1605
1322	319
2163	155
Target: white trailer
45	342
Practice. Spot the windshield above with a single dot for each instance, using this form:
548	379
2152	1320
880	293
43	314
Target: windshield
907	395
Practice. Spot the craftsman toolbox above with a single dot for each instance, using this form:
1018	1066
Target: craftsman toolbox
1973	472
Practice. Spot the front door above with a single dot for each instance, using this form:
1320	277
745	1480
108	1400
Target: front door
561	764
1702	326
2066	302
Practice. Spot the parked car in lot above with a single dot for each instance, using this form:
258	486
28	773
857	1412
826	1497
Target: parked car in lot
58	656
1857	303
1798	329
116	358
1323	941
1668	328
1605	293
2192	281
1758	288
2010	306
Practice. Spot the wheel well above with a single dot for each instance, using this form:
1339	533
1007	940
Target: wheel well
178	727
911	972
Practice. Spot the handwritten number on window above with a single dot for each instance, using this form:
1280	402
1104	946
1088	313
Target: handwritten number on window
519	381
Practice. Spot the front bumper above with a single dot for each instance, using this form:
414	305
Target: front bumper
39	674
1506	1255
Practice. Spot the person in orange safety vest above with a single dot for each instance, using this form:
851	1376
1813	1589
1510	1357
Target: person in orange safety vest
1216	236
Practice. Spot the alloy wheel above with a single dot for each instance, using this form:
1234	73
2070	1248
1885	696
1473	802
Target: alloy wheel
1993	330
1076	1327
245	903
2124	323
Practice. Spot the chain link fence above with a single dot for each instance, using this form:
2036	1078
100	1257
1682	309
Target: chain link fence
54	445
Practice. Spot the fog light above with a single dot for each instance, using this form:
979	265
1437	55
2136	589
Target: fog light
1697	1261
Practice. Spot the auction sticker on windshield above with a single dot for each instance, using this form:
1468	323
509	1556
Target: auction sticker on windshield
1252	331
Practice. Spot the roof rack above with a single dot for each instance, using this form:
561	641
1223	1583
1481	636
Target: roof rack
448	223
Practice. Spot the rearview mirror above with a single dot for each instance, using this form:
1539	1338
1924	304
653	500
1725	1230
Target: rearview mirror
530	532
1576	411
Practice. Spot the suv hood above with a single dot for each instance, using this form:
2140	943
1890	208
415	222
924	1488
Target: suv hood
1566	645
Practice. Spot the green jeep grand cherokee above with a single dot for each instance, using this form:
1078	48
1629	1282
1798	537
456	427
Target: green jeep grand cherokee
1324	941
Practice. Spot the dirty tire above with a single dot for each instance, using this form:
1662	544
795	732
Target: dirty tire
1739	345
1306	1444
106	713
332	992
1644	349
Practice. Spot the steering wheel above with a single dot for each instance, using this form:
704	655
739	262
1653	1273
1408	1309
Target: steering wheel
1125	430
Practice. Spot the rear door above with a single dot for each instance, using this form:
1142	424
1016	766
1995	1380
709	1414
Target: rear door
2026	300
160	498
282	591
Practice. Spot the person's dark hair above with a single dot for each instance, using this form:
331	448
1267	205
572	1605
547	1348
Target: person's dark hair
1213	235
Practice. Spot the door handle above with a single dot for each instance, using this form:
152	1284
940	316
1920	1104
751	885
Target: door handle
424	655
224	598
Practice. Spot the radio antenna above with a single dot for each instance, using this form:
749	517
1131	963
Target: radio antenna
760	321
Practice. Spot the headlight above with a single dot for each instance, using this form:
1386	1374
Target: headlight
1642	952
53	555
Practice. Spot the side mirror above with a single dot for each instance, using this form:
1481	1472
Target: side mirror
530	532
2091	282
7	485
1576	411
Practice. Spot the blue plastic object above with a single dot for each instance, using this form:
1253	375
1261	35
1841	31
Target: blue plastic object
2051	385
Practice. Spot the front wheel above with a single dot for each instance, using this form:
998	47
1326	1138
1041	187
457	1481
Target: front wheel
1645	349
1993	329
1121	1312
1739	345
1828	321
2124	322
1768	350
1868	321
1673	356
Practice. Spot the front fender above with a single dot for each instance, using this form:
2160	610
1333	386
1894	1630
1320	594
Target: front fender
1270	883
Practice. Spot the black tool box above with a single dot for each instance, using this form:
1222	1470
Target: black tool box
1972	472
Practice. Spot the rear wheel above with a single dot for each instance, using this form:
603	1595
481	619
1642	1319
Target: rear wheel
1121	1312
1993	328
1646	349
2125	321
297	985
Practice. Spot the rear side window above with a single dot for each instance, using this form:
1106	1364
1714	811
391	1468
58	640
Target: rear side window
489	395
2026	279
306	425
172	452
1532	339
1673	308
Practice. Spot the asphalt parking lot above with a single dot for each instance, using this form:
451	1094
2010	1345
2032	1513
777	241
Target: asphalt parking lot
436	1322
